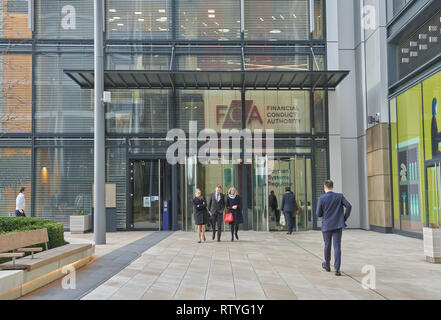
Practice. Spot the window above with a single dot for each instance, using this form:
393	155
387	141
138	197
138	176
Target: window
15	172
138	19
64	19
283	111
277	20
139	111
15	93
214	109
208	19
14	19
64	180
61	106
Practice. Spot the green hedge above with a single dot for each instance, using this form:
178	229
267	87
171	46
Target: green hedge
55	230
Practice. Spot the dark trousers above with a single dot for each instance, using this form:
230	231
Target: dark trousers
217	219
333	237
19	214
290	218
234	229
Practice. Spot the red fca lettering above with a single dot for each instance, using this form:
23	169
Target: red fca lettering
233	116
220	115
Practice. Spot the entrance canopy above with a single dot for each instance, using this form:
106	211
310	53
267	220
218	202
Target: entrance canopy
214	80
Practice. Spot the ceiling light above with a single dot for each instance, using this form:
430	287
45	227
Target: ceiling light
433	39
413	43
261	19
414	54
112	10
274	18
422	36
224	30
283	18
275	31
212	16
294	15
138	12
140	19
162	19
211	11
423	47
161	10
116	18
405	50
120	24
433	28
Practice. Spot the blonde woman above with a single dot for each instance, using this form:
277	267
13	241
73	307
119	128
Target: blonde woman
234	205
200	213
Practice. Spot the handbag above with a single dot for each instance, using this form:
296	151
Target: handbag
229	218
282	220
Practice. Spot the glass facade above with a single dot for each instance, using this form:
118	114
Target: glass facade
46	127
416	156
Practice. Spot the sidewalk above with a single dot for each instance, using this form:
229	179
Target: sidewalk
275	266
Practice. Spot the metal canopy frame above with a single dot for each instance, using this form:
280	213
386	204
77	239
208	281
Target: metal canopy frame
212	80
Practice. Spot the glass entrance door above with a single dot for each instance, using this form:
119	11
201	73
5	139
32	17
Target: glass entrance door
147	196
293	172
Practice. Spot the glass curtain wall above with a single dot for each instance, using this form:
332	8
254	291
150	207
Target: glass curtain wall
416	156
140	36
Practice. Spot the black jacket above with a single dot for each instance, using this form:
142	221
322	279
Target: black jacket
215	206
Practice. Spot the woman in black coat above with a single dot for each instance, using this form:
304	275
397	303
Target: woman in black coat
234	205
200	213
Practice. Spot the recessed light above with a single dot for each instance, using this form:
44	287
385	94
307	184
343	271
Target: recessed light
275	31
112	10
161	10
138	12
120	24
162	19
212	16
211	11
140	19
116	18
224	30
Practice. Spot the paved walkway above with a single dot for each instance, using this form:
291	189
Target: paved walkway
275	266
122	249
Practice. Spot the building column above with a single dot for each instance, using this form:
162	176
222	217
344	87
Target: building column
99	143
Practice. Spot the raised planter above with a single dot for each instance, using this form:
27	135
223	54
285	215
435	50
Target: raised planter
80	224
432	245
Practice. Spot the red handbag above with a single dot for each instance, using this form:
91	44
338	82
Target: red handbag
228	218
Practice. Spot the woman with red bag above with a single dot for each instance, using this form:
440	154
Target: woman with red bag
234	206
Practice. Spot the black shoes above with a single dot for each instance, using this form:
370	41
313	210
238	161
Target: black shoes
338	273
237	237
214	236
325	267
218	240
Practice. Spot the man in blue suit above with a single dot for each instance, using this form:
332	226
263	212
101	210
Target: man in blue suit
330	207
289	209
